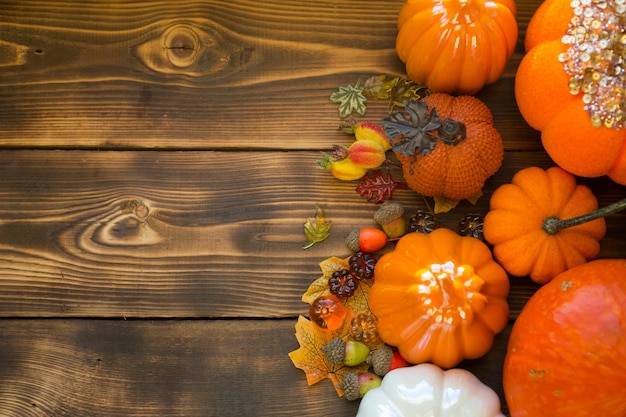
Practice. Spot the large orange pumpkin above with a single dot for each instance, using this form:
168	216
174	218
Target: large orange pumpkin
571	85
439	297
456	45
567	350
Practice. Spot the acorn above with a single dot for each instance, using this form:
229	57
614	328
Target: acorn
352	241
390	216
356	385
350	353
385	359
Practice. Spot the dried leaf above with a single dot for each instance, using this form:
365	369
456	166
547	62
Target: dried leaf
474	199
350	99
319	287
404	91
377	187
379	87
412	128
397	90
444	204
312	360
310	357
316	228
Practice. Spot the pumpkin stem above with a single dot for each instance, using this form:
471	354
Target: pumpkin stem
452	132
554	225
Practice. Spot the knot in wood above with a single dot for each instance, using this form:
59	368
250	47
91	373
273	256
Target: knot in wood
182	44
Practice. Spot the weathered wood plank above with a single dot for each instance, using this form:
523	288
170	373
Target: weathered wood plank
189	234
200	74
169	368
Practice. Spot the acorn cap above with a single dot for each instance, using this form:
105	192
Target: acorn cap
350	386
388	212
335	351
352	241
380	359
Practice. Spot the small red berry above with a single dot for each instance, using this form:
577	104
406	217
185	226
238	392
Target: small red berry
372	239
397	361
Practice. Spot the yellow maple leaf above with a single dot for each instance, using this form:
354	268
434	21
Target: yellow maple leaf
310	357
319	287
313	361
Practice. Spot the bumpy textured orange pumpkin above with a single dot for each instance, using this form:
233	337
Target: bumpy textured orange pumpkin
455	168
456	45
567	350
439	297
515	223
571	85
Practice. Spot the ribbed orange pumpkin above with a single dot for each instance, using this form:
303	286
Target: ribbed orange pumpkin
439	297
515	223
571	86
456	45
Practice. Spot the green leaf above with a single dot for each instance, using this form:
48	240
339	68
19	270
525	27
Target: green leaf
316	228
350	99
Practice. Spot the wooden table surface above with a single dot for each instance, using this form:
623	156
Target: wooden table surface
157	166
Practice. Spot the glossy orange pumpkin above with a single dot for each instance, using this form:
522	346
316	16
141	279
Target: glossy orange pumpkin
439	298
571	86
567	350
515	222
456	45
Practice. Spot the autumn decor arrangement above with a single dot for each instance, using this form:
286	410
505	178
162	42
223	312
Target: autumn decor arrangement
456	46
391	323
567	350
571	85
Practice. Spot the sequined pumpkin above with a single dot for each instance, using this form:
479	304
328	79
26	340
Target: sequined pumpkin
570	85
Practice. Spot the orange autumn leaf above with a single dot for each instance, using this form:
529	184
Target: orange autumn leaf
312	360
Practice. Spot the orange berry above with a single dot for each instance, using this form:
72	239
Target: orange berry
372	239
